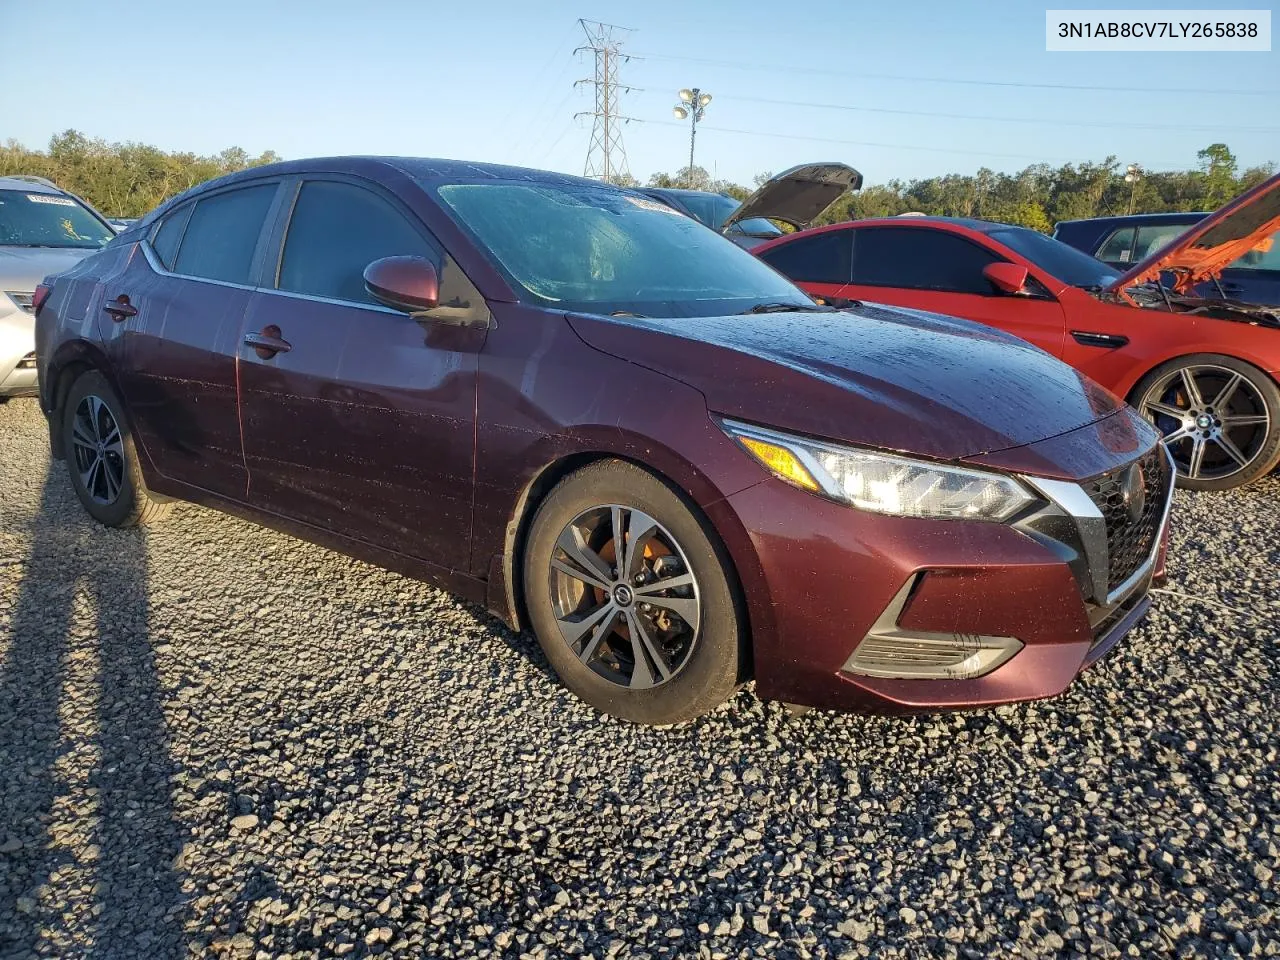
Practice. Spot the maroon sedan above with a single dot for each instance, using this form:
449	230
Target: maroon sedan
602	421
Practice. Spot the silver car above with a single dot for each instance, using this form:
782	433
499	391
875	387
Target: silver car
43	230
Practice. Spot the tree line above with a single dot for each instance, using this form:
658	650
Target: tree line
129	179
1038	196
121	179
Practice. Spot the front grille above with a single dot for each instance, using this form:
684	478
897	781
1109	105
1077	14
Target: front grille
24	300
27	363
1130	539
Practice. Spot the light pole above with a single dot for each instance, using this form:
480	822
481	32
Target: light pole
1131	176
692	105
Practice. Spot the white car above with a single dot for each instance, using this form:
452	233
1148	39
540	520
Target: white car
43	231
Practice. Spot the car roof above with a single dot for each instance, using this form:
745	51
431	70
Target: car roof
981	226
424	169
681	192
1186	216
32	185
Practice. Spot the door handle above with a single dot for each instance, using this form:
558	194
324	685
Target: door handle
267	343
120	308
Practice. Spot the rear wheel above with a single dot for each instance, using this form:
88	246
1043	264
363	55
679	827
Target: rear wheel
631	597
101	458
1220	418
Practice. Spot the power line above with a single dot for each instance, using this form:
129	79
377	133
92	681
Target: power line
1053	121
555	58
891	146
913	78
606	156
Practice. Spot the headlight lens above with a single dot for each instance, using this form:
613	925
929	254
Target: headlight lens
882	482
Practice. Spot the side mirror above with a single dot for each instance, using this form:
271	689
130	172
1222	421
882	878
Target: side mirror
410	284
1006	277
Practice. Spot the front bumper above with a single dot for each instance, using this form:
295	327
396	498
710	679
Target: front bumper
836	578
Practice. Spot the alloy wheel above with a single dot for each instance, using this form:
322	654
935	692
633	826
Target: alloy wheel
624	596
1215	422
99	450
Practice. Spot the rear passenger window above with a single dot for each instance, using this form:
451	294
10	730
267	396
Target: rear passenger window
1118	247
821	258
1152	239
167	237
222	234
338	229
1264	256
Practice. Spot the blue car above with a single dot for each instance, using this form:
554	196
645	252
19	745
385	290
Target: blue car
1120	242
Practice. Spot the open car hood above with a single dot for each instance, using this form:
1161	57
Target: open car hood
799	195
1207	247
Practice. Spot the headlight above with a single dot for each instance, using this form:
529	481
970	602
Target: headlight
882	482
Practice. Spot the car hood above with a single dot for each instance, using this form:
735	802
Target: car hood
1207	247
799	195
21	268
873	375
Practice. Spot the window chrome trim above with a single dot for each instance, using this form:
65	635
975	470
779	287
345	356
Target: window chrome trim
154	260
357	304
158	267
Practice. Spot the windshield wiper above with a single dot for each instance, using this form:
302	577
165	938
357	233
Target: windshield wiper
790	308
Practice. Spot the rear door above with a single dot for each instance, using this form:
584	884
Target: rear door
175	321
821	263
362	423
927	268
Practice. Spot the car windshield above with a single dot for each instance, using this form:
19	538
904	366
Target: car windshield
603	250
48	220
1056	258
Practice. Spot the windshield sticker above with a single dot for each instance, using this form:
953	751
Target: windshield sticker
45	198
646	204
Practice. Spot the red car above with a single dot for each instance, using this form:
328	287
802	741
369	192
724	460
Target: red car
1204	371
597	418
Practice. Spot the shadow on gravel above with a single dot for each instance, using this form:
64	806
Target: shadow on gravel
84	761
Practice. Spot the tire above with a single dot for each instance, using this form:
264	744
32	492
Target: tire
107	478
1250	422
702	661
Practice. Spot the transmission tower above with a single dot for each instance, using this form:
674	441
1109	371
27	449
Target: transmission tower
606	156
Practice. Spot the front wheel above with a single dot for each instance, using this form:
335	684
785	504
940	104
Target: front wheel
1220	418
631	596
101	458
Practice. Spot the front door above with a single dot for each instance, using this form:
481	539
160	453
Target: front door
927	268
358	419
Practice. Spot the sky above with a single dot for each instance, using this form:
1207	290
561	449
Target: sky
925	88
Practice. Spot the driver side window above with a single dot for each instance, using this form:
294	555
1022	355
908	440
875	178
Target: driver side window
335	231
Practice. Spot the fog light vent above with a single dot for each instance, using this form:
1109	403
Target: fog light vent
22	298
889	651
27	363
936	656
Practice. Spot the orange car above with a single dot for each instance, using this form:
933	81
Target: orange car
1203	370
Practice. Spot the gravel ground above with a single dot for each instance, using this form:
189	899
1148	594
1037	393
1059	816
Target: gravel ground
219	741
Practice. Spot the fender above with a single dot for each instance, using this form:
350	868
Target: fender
562	454
68	360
